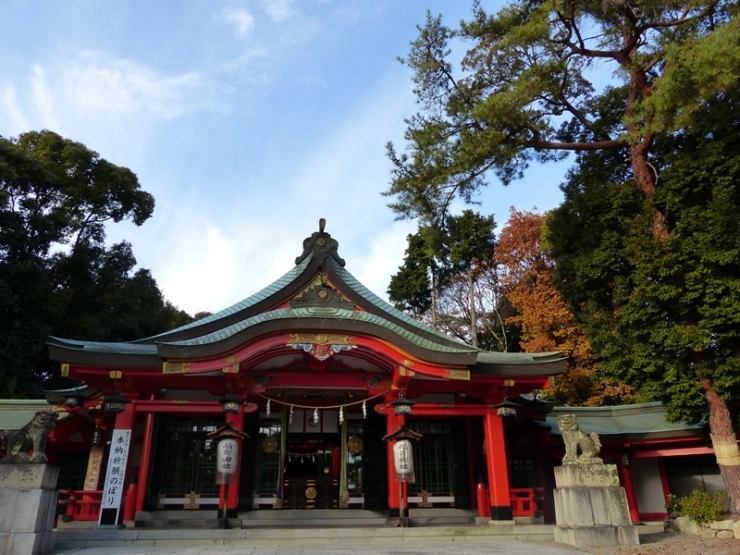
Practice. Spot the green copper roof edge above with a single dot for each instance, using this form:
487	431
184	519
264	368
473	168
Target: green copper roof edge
653	406
104	346
372	298
333	313
253	299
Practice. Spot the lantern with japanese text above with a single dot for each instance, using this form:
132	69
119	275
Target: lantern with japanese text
228	458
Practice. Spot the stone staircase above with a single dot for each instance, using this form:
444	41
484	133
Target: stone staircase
311	535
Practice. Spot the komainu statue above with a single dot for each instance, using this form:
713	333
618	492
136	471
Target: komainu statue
575	438
15	445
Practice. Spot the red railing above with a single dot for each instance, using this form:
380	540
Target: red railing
523	502
80	505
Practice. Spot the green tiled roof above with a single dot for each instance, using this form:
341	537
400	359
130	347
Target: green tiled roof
492	357
104	347
14	414
331	313
641	418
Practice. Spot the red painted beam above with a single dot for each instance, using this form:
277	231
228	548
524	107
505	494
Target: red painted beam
668	452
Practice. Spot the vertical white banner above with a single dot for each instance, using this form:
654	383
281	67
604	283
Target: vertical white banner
114	477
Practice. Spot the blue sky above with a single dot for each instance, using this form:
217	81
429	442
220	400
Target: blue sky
247	120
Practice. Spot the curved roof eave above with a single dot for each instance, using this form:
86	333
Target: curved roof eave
338	320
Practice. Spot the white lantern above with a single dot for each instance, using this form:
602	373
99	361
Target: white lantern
403	461
226	462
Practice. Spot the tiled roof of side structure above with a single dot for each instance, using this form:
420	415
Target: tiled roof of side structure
271	289
371	297
329	313
641	418
103	347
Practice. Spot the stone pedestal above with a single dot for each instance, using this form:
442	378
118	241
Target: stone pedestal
591	508
28	500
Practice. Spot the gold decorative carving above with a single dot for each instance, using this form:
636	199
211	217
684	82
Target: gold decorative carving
191	498
65	369
457	374
408	363
115	374
354	445
321	338
311	492
175	367
425	499
269	444
233	369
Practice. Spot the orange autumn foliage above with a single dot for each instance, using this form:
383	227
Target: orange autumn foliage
544	317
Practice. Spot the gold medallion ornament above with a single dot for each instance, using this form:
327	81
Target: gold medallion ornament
354	445
311	492
269	444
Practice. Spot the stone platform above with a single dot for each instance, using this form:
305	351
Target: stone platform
28	500
591	508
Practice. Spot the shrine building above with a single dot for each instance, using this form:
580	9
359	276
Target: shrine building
315	369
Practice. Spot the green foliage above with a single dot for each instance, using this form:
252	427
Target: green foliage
525	92
700	506
662	314
57	277
440	269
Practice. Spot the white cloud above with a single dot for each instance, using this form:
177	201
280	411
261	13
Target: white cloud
93	82
18	122
42	97
278	10
241	19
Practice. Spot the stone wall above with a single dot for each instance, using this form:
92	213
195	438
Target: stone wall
713	529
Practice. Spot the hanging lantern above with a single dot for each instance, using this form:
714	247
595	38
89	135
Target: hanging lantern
231	403
97	435
72	401
402	405
116	403
506	408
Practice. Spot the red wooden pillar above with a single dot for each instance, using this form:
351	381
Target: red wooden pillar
498	468
237	421
392	424
625	477
146	457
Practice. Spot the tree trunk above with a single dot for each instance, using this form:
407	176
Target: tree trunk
725	445
473	318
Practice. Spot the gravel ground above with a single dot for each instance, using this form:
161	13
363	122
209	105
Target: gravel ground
672	543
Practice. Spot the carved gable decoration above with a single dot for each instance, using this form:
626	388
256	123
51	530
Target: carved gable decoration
321	346
321	245
320	293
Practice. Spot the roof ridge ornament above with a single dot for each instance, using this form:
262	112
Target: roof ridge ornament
321	245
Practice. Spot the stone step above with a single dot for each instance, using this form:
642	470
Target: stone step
315	536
